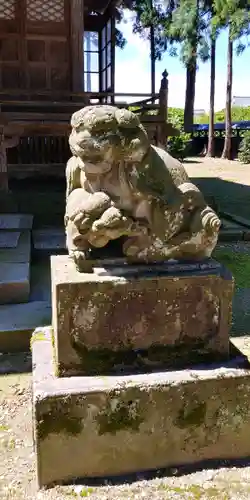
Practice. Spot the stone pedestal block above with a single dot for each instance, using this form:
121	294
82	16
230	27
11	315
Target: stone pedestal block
114	425
138	317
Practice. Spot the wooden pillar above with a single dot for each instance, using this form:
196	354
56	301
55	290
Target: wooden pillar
77	32
163	111
3	163
5	143
164	95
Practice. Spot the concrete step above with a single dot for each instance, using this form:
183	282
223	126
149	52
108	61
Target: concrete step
16	221
18	321
15	249
40	280
14	282
49	240
9	239
228	224
20	253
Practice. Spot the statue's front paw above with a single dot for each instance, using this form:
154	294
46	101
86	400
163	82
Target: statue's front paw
80	259
131	247
134	245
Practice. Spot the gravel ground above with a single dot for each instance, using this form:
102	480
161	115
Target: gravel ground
228	182
232	171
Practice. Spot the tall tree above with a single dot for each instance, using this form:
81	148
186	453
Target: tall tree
226	153
176	21
186	29
190	27
235	15
210	146
213	35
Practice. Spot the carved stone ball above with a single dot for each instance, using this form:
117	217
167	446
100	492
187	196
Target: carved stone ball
83	208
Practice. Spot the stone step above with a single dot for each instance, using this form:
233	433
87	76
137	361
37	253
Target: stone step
18	321
15	249
228	224
16	221
9	239
40	280
49	240
238	219
20	253
14	282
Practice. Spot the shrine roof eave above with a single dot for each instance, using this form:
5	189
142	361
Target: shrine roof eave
98	6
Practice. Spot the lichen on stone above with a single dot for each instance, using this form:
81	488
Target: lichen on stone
119	415
57	418
40	334
192	414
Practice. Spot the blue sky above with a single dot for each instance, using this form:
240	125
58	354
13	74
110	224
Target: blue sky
133	71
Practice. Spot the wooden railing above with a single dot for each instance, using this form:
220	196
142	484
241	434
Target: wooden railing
42	122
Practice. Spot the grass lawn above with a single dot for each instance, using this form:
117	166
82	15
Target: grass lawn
238	263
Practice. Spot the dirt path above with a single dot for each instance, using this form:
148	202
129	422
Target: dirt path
226	170
227	181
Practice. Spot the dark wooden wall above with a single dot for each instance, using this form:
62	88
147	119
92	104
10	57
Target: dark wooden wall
34	45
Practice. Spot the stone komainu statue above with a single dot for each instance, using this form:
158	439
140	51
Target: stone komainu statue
120	186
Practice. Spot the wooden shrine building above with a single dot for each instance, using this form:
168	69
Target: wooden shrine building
57	56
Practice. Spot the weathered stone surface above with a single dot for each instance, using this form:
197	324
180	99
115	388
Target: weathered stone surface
109	322
120	186
14	283
102	426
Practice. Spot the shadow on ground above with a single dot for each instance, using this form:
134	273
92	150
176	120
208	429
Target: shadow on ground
187	161
178	471
11	363
229	196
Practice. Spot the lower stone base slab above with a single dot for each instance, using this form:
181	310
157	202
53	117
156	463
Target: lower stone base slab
107	426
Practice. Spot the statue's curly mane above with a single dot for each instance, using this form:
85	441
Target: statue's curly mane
108	133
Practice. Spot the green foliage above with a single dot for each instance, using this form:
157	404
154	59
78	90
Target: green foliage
86	492
178	146
190	27
244	150
220	116
238	114
183	22
176	117
120	41
233	13
158	16
238	263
